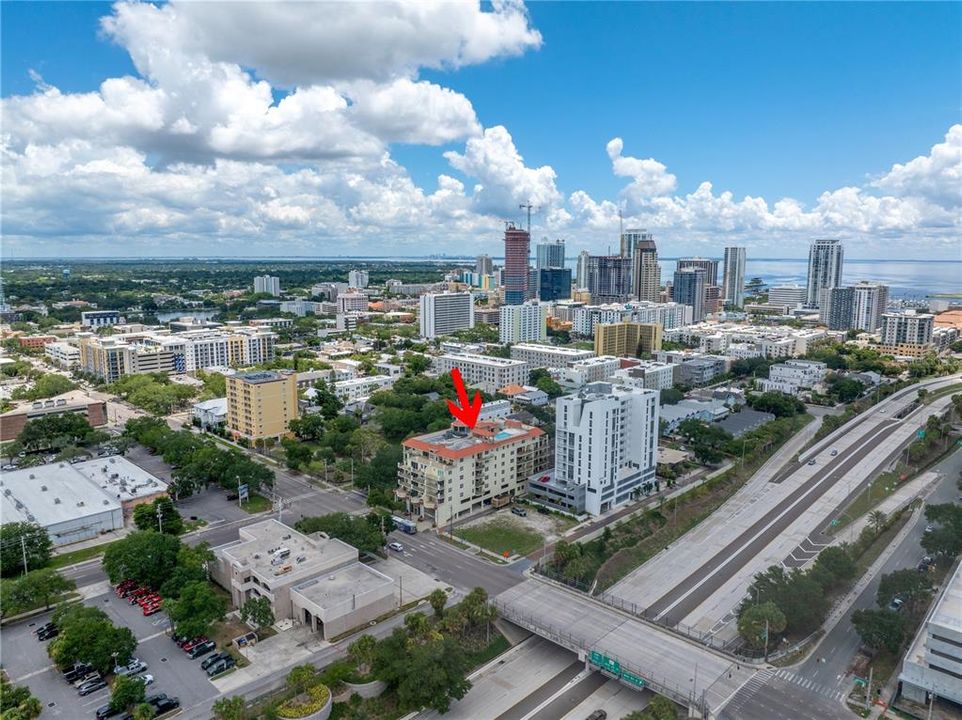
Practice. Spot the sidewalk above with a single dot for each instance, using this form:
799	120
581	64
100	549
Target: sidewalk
103	539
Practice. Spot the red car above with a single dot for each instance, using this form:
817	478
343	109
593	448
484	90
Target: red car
152	609
135	596
188	646
149	599
125	588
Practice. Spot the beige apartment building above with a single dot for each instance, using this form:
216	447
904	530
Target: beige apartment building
456	472
627	339
261	404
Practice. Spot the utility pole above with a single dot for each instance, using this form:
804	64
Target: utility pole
928	715
766	639
160	520
868	689
23	549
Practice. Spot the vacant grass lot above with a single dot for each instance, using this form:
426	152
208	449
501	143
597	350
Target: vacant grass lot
256	503
502	535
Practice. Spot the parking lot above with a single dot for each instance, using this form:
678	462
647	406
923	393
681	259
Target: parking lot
174	673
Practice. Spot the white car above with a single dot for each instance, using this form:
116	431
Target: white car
147	679
834	452
396	546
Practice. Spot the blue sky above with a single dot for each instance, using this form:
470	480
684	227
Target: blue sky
769	100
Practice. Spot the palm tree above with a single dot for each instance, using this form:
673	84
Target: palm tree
877	519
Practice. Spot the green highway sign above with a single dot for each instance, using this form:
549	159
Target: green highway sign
633	679
861	681
605	662
921	434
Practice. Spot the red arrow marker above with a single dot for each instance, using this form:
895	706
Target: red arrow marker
466	413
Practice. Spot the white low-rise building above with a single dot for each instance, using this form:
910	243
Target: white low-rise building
64	354
359	388
804	373
651	374
211	413
582	372
548	356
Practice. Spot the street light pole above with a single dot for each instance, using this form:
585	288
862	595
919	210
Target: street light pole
160	520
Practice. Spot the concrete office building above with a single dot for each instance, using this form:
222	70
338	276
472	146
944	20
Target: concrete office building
453	473
689	289
790	296
527	322
77	501
825	259
645	271
609	278
627	339
606	442
733	284
99	318
351	302
709	265
261	404
515	277
648	374
446	313
483	265
74	402
907	334
548	356
267	284
932	667
583	372
550	255
485	372
358	279
313	580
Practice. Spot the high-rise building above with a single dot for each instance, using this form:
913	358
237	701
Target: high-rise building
517	247
609	278
836	308
825	259
527	322
709	265
267	284
869	304
445	313
645	271
483	265
907	334
605	443
352	302
631	239
734	282
627	339
550	254
581	272
688	288
358	279
788	295
261	404
554	283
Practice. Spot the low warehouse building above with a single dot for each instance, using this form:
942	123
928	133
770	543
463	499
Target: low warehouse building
77	501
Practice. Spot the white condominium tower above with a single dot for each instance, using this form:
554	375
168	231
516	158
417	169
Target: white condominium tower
734	280
606	442
267	284
445	313
824	269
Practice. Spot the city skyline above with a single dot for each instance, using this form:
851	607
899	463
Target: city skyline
427	149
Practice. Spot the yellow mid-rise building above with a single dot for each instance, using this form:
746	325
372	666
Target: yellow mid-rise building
261	404
627	339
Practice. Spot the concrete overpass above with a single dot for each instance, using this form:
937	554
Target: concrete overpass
640	654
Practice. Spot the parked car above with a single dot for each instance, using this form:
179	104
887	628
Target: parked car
147	679
834	452
598	715
51	632
91	687
155	697
152	609
89	677
202	649
520	512
812	461
208	661
78	671
166	705
929	529
896	604
188	646
179	640
43	627
132	668
396	546
104	711
220	666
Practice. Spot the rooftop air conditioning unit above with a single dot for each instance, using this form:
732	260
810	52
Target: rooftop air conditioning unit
80	504
56	501
32	476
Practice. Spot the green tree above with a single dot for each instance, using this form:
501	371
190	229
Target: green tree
880	629
425	675
258	612
308	427
159	515
353	530
660	708
296	453
19	539
196	609
55	432
833	566
363	652
127	692
45	386
146	556
16	702
87	635
38	588
706	440
541	379
301	677
910	585
328	401
759	624
438	599
778	404
230	708
671	396
877	520
144	711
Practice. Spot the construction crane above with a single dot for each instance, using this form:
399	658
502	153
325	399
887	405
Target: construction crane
529	207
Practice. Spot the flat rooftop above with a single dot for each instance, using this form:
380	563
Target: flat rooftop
255	378
553	349
459	442
948	608
483	360
342	585
259	544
